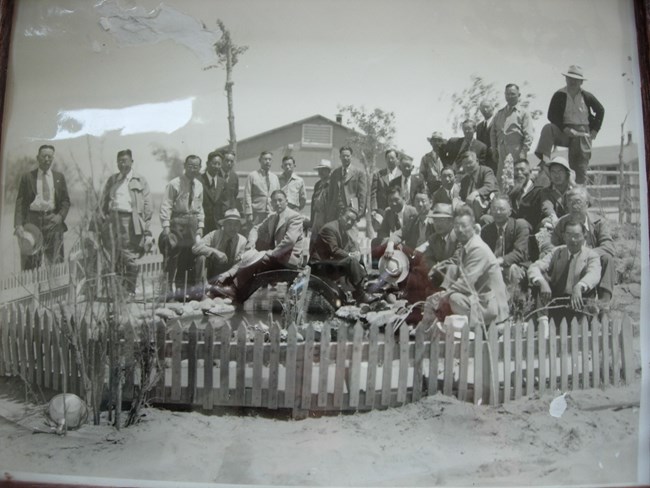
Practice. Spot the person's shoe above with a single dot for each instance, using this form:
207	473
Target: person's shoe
363	297
223	292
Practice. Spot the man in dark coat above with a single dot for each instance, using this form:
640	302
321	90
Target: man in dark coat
449	192
347	188
215	195
228	173
433	162
410	184
44	202
524	197
483	129
457	146
380	181
333	255
575	117
478	184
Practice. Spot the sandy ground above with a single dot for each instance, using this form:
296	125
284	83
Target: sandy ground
437	441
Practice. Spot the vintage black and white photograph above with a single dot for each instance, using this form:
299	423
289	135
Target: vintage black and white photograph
323	243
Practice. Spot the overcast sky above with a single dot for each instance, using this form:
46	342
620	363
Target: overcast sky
69	63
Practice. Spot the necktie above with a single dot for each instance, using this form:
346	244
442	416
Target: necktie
191	196
46	188
274	228
571	271
500	247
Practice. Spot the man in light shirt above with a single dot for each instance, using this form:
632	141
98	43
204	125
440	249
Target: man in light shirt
292	185
512	133
44	202
260	184
182	218
126	210
575	117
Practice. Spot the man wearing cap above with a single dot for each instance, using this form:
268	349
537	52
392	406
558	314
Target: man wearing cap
334	255
318	215
552	197
348	187
126	211
260	184
278	240
432	162
508	239
575	117
483	129
456	147
475	286
42	201
220	249
379	187
512	132
449	191
597	237
215	195
182	219
227	172
292	184
478	184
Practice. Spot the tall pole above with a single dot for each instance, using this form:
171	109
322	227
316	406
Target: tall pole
229	84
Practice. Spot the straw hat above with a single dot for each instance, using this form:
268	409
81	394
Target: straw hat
31	241
250	257
231	214
575	72
442	210
436	135
560	161
395	268
167	243
324	163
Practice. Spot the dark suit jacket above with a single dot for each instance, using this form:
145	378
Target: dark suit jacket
454	154
27	194
215	202
391	221
410	231
482	181
483	132
355	188
417	186
331	244
598	237
232	189
379	191
526	205
515	239
441	195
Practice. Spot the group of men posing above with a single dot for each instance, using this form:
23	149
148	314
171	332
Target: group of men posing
469	236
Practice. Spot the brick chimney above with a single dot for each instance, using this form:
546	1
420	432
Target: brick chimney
339	118
629	137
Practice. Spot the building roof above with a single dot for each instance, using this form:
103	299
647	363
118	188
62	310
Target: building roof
608	155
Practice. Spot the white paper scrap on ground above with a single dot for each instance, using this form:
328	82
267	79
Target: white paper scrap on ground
558	406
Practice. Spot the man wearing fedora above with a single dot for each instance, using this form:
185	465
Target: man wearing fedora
334	255
42	201
318	209
433	162
126	210
551	198
215	193
219	250
575	117
182	219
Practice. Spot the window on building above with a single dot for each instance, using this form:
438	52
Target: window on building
315	135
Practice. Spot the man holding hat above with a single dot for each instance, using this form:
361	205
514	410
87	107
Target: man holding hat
126	210
43	202
319	198
575	117
433	162
182	217
334	255
222	248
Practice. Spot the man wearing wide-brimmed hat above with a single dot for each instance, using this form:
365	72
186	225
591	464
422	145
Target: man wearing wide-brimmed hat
222	248
551	198
126	210
432	162
575	117
43	201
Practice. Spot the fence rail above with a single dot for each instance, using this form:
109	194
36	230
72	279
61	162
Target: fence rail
357	369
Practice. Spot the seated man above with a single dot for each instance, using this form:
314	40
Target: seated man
410	184
443	244
570	272
551	198
396	216
524	197
478	184
278	238
597	237
334	256
449	191
475	286
508	240
222	248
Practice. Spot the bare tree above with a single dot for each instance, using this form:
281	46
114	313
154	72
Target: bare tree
228	54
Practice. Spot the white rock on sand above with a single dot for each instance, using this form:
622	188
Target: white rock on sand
438	440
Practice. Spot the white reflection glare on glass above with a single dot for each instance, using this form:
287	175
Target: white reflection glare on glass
165	117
